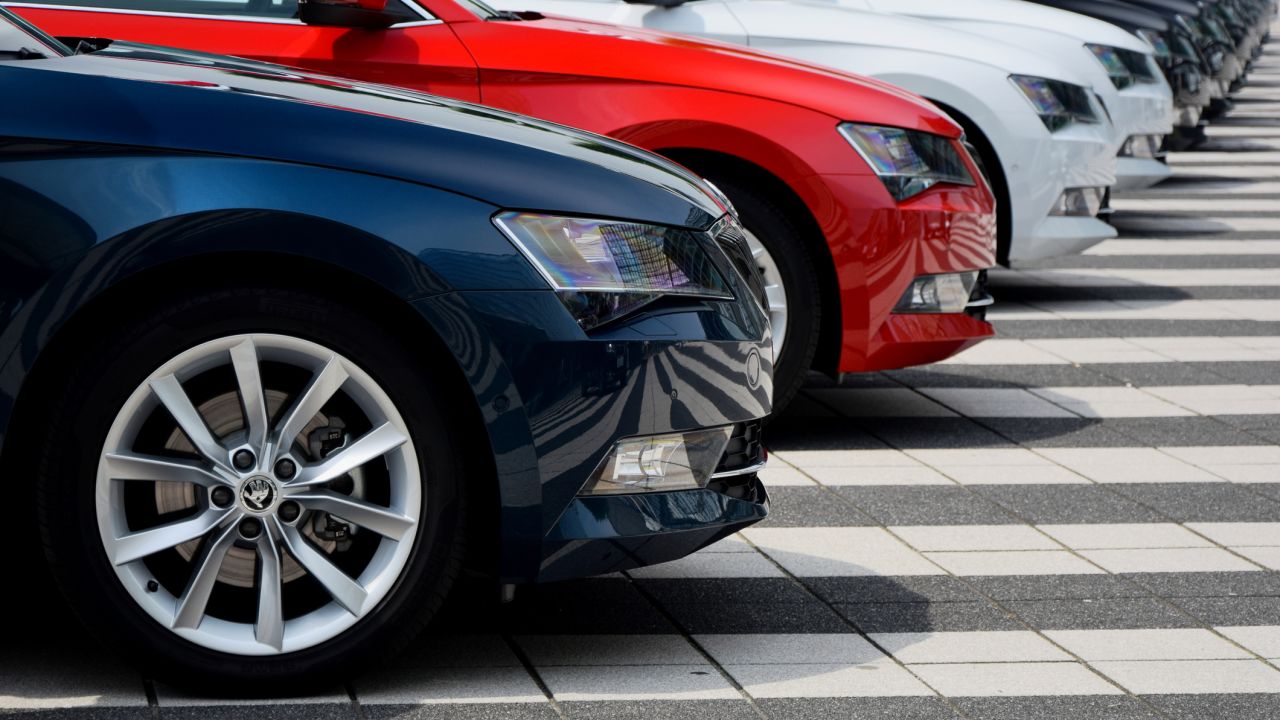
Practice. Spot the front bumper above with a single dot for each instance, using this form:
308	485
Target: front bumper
556	400
598	535
880	247
1140	173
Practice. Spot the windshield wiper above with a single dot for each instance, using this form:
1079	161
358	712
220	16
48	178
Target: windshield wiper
22	54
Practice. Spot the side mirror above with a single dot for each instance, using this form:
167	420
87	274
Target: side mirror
364	14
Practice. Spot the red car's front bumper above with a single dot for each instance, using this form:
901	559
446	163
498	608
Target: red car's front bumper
880	247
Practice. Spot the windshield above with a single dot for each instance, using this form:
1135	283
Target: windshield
20	39
479	8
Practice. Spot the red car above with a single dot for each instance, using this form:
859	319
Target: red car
868	215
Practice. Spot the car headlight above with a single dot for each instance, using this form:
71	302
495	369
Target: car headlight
1111	61
908	162
1059	104
604	269
1157	41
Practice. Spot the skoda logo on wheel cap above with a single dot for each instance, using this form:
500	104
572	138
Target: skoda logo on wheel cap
258	494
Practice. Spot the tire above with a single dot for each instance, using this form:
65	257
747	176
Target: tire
234	648
784	241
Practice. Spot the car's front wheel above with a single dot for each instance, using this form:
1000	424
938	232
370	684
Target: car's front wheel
251	490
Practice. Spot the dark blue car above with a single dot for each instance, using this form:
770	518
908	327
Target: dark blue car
279	354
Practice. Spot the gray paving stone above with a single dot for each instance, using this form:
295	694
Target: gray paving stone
578	608
927	617
771	591
460	711
260	712
756	618
1059	432
1211	584
1217	707
811	507
1101	614
1203	502
999	376
100	713
1057	587
926	505
885	708
1266	427
898	589
912	433
665	709
1182	431
1233	610
1053	504
1086	707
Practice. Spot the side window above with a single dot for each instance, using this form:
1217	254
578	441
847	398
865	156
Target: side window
280	9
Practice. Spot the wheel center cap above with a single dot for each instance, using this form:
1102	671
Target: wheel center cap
258	493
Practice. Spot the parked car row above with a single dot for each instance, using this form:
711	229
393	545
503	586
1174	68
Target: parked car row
287	347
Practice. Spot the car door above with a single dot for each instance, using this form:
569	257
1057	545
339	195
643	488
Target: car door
705	18
420	53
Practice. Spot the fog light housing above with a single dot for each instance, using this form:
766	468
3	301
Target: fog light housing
1079	202
948	293
1142	146
660	463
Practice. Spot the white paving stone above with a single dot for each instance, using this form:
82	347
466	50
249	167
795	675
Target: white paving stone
1120	536
1268	557
1015	475
1187	247
1223	399
712	565
1260	310
652	682
1168	560
974	537
1110	402
969	647
784	476
882	678
418	685
979	457
1213	456
1025	562
1261	639
1156	677
556	650
840	552
789	648
1240	533
1014	679
1127	465
809	459
1148	644
995	402
873	475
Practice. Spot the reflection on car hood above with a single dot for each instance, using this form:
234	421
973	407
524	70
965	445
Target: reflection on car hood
154	97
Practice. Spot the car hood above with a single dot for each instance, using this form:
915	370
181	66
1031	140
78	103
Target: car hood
1013	14
136	95
1126	16
818	22
639	55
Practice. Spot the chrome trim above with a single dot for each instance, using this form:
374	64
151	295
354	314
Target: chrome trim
237	18
984	301
748	470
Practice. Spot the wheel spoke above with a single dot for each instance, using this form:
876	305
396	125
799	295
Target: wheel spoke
323	387
269	628
175	400
190	608
244	358
366	515
125	466
373	444
346	592
136	546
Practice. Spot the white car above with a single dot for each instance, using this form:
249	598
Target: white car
1040	130
1122	68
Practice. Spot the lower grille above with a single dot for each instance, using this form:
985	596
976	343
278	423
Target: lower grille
744	451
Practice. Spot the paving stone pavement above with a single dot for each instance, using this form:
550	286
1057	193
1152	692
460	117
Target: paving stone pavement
1080	519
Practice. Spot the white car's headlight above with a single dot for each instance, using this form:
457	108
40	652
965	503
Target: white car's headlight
1059	104
908	162
1157	41
603	269
1111	61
